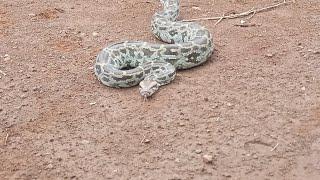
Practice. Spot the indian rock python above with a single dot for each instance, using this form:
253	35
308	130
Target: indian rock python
129	63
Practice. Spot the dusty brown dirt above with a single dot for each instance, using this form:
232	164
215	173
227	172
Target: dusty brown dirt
254	106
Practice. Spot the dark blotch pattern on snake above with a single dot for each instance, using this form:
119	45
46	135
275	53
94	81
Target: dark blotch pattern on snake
129	63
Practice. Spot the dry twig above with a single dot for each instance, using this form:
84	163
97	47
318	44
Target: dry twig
246	25
219	20
6	139
144	138
233	16
275	147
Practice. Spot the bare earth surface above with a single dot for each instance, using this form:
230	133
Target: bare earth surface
254	107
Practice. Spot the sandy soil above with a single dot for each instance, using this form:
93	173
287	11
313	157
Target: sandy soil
253	107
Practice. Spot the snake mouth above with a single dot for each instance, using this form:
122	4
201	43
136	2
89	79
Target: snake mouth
145	98
148	88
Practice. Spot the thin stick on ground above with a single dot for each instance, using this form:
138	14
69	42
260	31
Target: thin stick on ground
219	20
144	138
6	139
274	147
254	13
233	16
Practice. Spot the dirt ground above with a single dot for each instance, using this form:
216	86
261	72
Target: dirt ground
251	112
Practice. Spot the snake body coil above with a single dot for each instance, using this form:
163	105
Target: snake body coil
129	63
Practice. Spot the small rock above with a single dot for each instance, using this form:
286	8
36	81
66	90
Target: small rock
93	103
207	159
214	106
226	175
196	8
85	142
35	88
6	57
316	52
147	141
198	151
32	15
269	55
95	34
50	166
303	88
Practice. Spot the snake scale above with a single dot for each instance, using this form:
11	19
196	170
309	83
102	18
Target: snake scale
129	63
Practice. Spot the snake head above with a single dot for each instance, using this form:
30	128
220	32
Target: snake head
148	88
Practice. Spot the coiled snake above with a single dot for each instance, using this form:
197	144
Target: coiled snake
129	63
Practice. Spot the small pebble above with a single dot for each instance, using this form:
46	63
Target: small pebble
269	55
82	34
207	159
35	88
147	141
6	57
50	166
95	34
198	151
226	175
214	106
85	142
32	15
196	7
